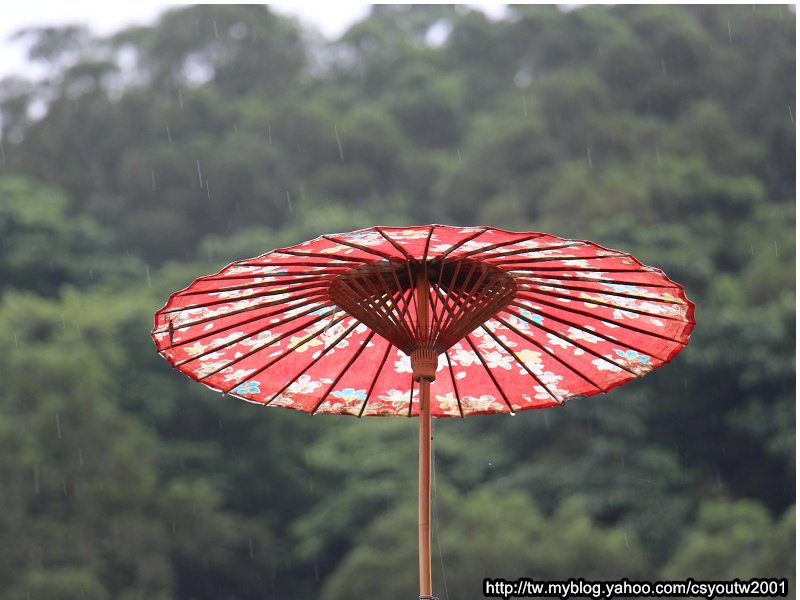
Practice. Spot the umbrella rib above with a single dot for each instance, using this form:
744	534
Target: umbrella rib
277	359
541	259
396	309
251	334
522	364
455	385
526	238
327	270
489	372
250	297
328	264
375	378
536	283
363	261
469	238
621	324
411	398
311	363
206	334
597	280
570	244
373	301
393	242
279	279
528	293
270	304
366	249
572	342
545	351
345	368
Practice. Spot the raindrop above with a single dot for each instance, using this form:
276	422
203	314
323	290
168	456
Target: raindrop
64	487
458	152
180	98
627	544
153	178
775	242
524	106
730	36
174	529
36	479
2	152
339	143
216	31
490	463
589	157
147	275
208	190
622	459
791	116
199	174
289	201
58	426
658	157
16	343
169	135
269	134
80	456
220	424
250	545
663	68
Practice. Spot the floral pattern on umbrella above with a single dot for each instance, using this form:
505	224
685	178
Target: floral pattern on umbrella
294	328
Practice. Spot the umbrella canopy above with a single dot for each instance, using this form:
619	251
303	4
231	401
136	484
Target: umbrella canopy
516	321
495	321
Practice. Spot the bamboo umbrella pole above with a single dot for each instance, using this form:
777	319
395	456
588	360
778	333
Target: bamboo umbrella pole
424	366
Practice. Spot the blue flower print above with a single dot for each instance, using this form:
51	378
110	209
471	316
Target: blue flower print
248	387
349	394
532	316
618	287
633	357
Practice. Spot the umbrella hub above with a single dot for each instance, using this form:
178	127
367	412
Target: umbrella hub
423	308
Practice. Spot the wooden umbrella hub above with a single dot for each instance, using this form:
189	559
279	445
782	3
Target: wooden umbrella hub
423	308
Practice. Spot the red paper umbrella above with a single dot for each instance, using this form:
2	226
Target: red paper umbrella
480	319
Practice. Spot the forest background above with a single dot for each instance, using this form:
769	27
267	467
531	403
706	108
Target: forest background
141	160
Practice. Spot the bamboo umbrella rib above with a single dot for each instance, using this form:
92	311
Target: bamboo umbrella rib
509	242
571	342
542	259
529	250
324	269
283	279
536	284
354	259
621	324
409	260
533	341
361	247
587	279
292	303
241	298
251	334
346	368
489	372
277	359
455	384
256	318
530	294
522	364
461	242
375	378
310	363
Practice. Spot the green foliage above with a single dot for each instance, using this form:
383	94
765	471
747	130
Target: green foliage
481	535
142	160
